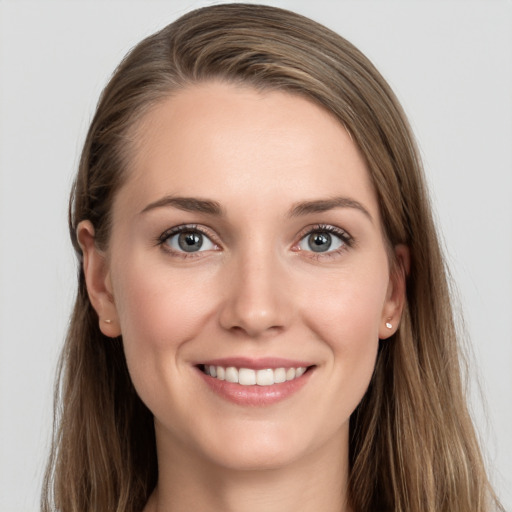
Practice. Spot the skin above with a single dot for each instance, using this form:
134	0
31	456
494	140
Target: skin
257	290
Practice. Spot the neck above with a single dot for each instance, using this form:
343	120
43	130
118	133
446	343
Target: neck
315	482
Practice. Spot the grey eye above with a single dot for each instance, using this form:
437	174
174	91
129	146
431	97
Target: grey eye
320	241
190	241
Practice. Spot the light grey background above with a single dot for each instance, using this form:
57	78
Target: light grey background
450	62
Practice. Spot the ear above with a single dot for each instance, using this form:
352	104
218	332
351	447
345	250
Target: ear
97	278
396	294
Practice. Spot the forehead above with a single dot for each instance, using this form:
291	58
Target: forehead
232	142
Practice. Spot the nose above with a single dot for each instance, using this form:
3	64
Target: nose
257	301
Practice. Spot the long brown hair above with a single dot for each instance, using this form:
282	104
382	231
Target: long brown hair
412	444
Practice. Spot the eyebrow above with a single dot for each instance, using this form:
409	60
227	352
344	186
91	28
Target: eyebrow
188	204
323	205
207	206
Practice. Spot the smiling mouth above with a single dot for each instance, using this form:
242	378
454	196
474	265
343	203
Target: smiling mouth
250	377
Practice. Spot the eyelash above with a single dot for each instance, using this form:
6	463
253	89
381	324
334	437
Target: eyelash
184	228
346	239
344	236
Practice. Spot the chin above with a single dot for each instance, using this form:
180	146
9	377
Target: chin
244	458
257	447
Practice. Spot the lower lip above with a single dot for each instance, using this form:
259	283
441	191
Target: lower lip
255	395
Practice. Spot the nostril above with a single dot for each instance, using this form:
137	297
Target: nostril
253	330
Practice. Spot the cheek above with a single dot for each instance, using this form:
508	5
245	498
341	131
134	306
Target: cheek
349	305
346	315
160	310
159	306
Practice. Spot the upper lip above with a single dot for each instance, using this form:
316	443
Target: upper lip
256	363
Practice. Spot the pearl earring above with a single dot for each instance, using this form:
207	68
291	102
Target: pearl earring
108	321
389	325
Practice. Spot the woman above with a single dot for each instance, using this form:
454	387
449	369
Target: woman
263	319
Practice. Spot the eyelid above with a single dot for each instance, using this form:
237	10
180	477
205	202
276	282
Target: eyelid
176	230
342	234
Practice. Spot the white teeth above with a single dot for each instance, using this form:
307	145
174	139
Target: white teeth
250	377
231	374
246	377
279	375
265	377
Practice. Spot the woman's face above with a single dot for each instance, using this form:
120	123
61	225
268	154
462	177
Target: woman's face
247	238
